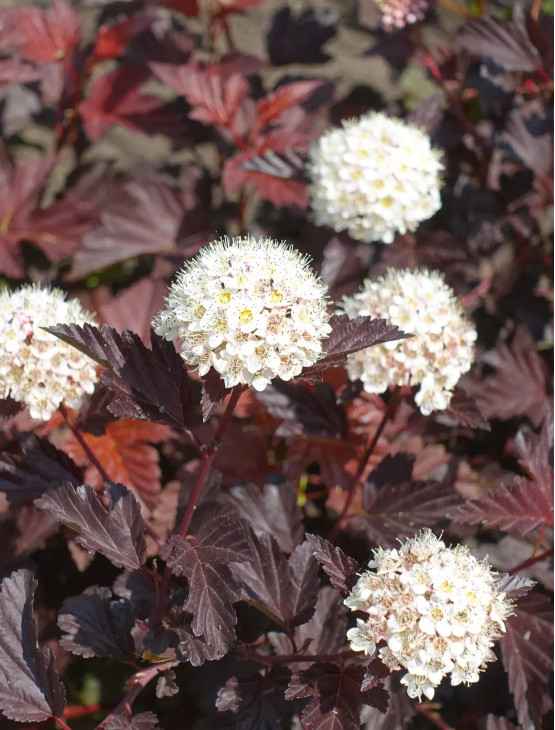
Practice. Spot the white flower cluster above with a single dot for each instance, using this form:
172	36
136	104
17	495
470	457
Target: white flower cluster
442	349
374	176
250	308
436	609
37	368
400	13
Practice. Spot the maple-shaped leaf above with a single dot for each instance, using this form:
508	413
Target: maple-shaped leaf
137	587
520	363
216	96
116	531
125	453
272	510
116	98
522	505
273	174
336	564
150	384
527	653
193	649
534	149
304	410
143	216
36	467
30	689
286	96
217	538
507	43
395	506
335	696
351	335
122	720
465	411
41	35
95	624
284	589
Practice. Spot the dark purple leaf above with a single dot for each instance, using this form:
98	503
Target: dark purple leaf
335	696
515	586
505	43
399	509
303	409
400	710
255	702
30	689
123	721
138	588
151	384
9	407
527	653
339	567
351	335
213	393
217	538
499	723
534	150
194	649
326	631
285	590
272	510
465	411
117	532
519	362
38	466
95	624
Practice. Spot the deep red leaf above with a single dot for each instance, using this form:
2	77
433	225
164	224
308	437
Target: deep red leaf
339	567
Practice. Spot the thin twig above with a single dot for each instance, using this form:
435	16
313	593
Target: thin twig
61	724
136	685
84	445
363	463
531	561
269	661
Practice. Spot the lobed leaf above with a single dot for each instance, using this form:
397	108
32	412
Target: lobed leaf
116	531
94	624
337	565
506	43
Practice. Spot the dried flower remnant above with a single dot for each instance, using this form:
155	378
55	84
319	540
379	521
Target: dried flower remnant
250	308
435	610
373	177
37	368
397	14
441	350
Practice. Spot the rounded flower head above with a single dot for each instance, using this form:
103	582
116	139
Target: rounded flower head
433	610
400	13
373	177
442	348
37	368
250	308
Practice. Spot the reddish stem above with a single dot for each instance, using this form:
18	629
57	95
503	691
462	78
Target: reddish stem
136	685
84	445
61	724
531	561
207	459
363	463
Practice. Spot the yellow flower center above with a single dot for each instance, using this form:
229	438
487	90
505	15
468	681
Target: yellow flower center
224	297
245	316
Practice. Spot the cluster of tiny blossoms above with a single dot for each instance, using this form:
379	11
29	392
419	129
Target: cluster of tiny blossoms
250	308
436	609
400	13
373	177
441	349
36	368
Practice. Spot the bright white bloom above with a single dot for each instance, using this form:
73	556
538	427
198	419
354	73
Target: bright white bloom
433	610
399	13
373	177
250	308
442	348
37	368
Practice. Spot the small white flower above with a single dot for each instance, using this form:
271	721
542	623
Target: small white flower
400	13
434	358
249	308
37	368
426	632
373	177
